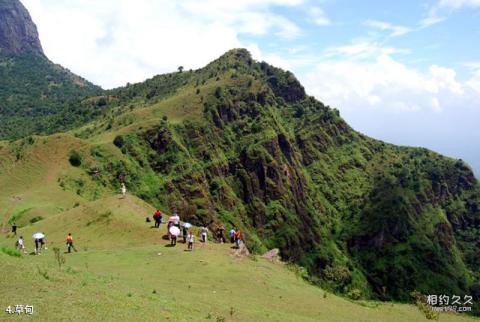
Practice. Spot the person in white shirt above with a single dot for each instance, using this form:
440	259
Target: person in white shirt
190	240
123	189
21	244
175	219
232	235
204	234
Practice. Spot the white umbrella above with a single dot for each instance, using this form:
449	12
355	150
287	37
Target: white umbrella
187	225
38	235
174	231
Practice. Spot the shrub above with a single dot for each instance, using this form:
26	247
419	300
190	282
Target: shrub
119	141
75	159
423	306
59	258
218	92
354	294
36	219
10	252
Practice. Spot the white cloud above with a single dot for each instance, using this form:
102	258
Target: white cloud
395	30
457	4
112	42
430	20
362	49
318	16
437	14
390	85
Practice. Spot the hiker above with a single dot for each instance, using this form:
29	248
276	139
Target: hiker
173	239
238	238
123	190
190	239
204	233
20	244
174	232
158	218
232	235
170	224
175	219
184	233
14	229
221	234
70	243
39	242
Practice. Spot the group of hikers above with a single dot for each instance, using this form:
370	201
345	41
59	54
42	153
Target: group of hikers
174	228
40	242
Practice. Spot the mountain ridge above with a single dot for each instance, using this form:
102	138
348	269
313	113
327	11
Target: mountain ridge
239	142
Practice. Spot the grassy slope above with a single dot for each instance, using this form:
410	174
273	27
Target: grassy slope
32	186
113	275
29	175
118	267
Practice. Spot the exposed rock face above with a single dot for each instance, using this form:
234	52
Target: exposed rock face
272	255
18	33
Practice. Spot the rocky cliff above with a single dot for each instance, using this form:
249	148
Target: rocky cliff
18	33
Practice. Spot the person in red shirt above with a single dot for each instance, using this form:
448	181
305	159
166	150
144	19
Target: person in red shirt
238	238
158	218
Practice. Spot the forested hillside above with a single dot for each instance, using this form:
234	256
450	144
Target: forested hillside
240	142
36	96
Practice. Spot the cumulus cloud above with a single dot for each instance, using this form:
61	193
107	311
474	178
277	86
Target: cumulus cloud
112	42
387	84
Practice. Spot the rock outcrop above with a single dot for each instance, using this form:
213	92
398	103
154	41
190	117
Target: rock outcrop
18	33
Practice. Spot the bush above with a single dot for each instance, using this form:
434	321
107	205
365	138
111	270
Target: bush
35	219
59	258
119	141
354	294
10	252
218	92
75	159
423	306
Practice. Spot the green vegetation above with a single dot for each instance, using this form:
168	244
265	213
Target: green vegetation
239	142
10	252
124	272
37	96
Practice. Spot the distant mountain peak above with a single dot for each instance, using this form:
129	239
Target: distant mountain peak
18	33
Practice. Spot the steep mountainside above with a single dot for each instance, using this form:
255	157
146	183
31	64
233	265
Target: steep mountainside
36	96
18	33
240	142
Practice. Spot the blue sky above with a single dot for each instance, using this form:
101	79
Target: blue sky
407	72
